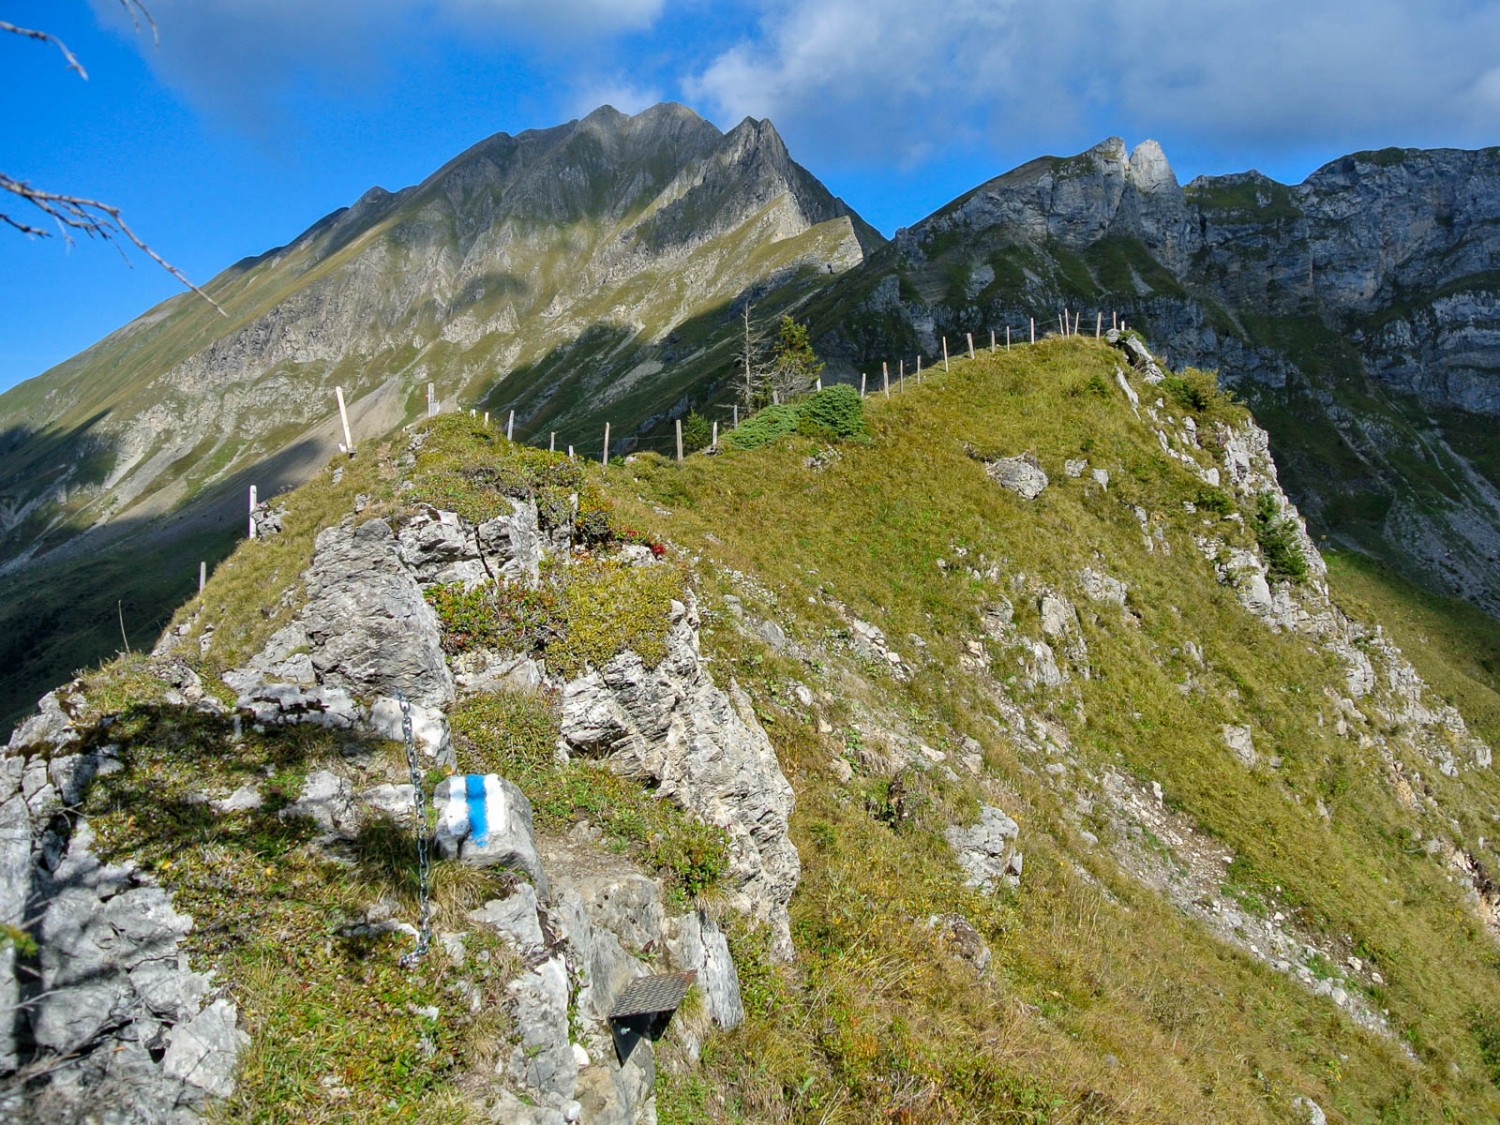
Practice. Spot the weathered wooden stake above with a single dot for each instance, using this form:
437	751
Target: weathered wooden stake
970	337
604	458
202	576
338	393
510	427
679	440
253	502
885	377
945	353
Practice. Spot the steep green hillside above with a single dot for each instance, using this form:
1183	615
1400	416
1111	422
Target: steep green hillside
582	275
1257	865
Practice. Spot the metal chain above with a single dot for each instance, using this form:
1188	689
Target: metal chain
419	822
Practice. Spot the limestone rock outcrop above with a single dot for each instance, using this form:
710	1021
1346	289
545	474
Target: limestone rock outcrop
671	727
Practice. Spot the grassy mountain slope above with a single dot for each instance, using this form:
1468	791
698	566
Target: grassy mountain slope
1113	994
1356	313
577	275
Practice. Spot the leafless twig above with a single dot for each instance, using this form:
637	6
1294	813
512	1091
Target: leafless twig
74	213
89	217
45	37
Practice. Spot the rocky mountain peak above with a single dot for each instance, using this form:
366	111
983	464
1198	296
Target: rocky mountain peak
1149	170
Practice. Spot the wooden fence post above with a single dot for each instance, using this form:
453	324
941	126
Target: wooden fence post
348	446
510	427
945	353
970	337
252	511
679	441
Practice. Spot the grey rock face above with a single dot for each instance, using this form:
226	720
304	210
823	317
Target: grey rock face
704	749
328	801
1099	587
1022	475
962	939
485	821
986	850
696	942
109	984
372	631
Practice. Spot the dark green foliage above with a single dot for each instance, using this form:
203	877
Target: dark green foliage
1216	500
1196	390
696	433
505	618
763	427
1486	1030
792	354
1278	539
834	412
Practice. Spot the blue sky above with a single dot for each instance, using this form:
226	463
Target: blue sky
250	119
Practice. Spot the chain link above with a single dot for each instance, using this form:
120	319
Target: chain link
419	822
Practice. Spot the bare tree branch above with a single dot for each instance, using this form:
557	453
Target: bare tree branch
70	213
89	217
44	37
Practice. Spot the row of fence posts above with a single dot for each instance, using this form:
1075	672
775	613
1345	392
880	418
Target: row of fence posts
1068	323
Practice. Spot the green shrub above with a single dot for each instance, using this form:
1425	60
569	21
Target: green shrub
696	433
1216	500
507	618
764	427
1279	541
834	412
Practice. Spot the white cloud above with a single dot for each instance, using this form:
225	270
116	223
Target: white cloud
243	57
859	79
